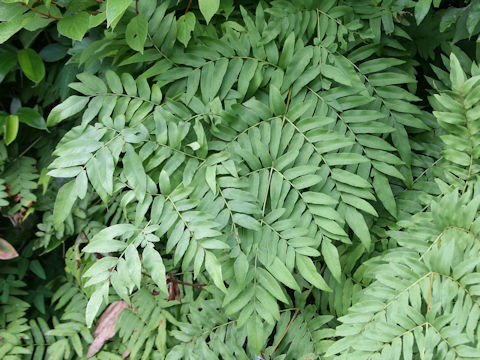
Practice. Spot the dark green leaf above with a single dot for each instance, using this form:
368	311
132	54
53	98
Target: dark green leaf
32	118
31	64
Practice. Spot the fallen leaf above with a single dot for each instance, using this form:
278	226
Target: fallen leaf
106	326
7	251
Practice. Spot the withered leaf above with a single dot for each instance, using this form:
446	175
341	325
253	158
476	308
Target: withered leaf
105	328
7	251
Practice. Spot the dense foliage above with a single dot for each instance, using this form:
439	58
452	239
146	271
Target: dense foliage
240	179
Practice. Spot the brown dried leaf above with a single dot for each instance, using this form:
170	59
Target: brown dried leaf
106	326
7	251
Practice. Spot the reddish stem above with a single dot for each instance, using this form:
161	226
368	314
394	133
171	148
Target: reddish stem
188	6
48	16
58	3
188	284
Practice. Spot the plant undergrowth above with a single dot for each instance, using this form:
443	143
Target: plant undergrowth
239	179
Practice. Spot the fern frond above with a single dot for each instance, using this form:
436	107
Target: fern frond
20	177
423	300
14	326
407	310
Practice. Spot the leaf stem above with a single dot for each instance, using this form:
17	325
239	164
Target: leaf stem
48	16
188	6
284	333
29	147
430	293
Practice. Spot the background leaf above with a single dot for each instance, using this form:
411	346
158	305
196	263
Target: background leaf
74	27
115	11
11	128
31	64
64	202
136	33
208	8
185	26
7	251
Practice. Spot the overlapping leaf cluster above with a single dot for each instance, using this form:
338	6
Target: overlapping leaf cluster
424	300
254	164
255	183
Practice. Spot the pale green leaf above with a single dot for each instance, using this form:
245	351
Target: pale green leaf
134	265
210	178
457	75
71	106
94	303
332	259
11	128
134	172
152	261
115	10
185	26
64	202
208	8
214	269
74	26
255	334
421	9
357	223
278	269
307	269
384	193
114	82
136	33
